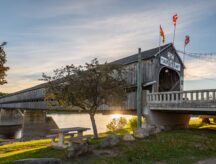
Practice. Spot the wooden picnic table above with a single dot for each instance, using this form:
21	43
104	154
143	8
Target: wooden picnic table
62	132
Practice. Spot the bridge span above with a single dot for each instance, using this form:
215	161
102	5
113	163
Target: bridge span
162	72
191	101
167	109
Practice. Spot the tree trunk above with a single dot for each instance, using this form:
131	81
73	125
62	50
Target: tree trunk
94	127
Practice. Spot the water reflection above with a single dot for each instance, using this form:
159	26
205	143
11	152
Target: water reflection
64	121
83	120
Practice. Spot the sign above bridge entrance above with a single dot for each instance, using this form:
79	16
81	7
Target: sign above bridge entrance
170	62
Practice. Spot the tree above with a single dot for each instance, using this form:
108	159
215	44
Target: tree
87	87
3	68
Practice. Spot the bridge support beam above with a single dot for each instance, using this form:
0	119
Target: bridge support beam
37	124
168	121
10	117
34	124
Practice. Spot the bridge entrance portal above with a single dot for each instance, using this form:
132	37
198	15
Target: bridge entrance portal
169	80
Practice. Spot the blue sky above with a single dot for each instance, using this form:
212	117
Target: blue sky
46	34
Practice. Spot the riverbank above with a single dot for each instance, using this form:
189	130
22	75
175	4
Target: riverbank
179	146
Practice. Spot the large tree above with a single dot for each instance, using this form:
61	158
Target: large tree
3	68
87	87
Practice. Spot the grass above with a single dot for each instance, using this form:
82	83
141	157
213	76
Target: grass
179	146
197	123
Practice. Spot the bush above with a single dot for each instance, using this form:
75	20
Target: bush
132	123
117	124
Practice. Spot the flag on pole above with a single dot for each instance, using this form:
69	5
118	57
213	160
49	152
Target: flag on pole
187	39
175	17
162	34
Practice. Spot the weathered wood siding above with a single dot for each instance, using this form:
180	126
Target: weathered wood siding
131	73
34	95
148	71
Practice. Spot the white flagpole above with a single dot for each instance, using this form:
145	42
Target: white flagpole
159	40
184	53
174	34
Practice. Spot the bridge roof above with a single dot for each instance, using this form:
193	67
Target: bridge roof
26	90
151	53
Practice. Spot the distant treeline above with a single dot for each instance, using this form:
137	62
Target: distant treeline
3	94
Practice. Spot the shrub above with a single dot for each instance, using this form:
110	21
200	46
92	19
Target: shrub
117	124
132	123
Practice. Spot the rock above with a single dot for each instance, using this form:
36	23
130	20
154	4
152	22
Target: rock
110	141
162	128
151	129
128	137
39	161
77	149
207	161
157	130
140	133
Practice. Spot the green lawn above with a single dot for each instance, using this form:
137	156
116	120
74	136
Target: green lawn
179	146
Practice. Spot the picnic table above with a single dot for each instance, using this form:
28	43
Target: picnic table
74	133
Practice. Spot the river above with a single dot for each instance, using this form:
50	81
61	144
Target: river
67	120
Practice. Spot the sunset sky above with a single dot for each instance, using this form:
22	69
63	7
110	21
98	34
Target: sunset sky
46	34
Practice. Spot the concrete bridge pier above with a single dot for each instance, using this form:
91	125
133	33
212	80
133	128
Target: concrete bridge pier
168	121
10	117
37	124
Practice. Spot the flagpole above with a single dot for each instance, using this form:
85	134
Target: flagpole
184	53
174	34
159	40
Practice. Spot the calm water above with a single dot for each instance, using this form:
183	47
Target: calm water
83	120
67	120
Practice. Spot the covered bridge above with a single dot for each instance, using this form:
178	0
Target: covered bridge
162	70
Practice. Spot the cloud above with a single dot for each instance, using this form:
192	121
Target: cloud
89	34
199	69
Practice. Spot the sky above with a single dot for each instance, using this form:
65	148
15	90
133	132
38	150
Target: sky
43	35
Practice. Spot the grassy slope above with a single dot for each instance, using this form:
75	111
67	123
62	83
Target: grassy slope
180	146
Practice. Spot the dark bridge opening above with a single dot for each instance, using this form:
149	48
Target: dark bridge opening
168	80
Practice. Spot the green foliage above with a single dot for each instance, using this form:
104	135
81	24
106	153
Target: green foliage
132	123
116	124
87	87
3	94
3	68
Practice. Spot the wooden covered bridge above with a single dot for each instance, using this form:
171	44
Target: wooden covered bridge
163	100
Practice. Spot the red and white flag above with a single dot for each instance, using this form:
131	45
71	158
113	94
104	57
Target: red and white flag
175	17
187	39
